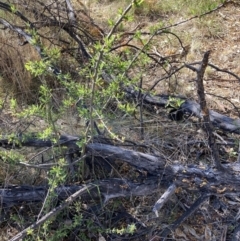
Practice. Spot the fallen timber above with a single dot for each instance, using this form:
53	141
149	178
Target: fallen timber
157	172
188	107
206	180
203	180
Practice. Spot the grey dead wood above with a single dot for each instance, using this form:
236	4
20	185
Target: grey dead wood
103	189
206	122
52	213
236	234
183	217
189	108
193	178
201	180
163	199
158	172
109	189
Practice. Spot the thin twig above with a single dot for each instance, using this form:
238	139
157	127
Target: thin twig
186	215
50	165
214	67
165	77
226	99
53	212
196	16
224	71
140	103
163	199
207	125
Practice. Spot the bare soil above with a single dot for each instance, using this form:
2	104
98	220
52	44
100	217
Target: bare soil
220	33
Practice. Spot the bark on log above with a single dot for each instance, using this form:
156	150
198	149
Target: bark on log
192	178
154	165
189	107
104	189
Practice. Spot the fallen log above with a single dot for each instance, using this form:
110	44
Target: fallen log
201	179
188	107
158	172
103	190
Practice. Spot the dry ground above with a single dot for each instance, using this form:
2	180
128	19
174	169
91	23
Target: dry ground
220	33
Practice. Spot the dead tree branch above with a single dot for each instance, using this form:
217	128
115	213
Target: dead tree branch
206	181
186	215
204	109
53	212
192	178
189	107
164	198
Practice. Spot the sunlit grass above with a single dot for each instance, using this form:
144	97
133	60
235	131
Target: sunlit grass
182	7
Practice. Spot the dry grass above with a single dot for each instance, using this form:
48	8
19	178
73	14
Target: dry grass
183	142
15	79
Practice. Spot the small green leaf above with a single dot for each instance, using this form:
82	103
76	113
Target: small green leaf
30	231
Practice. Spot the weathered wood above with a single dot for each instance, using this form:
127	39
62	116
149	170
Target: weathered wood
103	189
183	217
191	108
199	179
236	234
163	199
152	164
192	178
31	140
53	212
206	123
